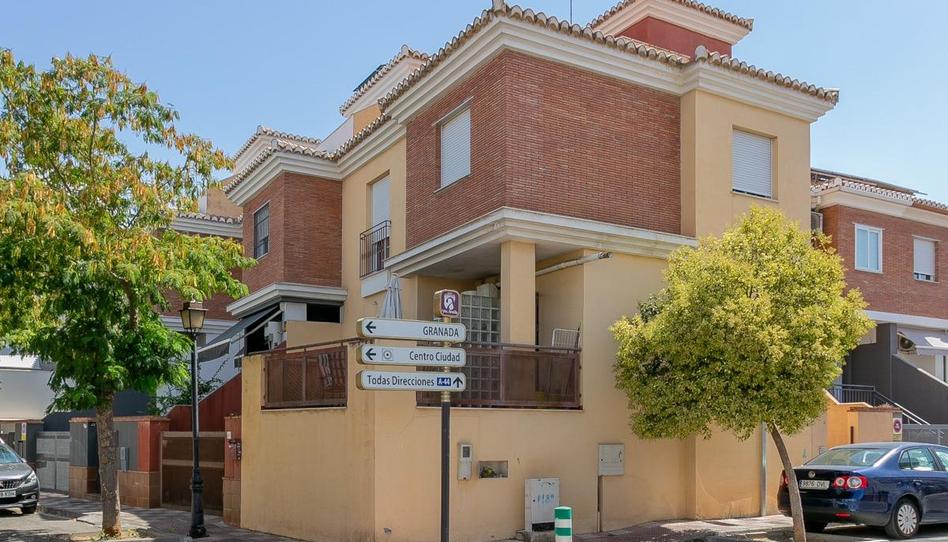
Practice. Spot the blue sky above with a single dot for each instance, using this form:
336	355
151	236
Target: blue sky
229	66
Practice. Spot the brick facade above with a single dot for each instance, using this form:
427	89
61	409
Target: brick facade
673	37
895	289
549	138
305	232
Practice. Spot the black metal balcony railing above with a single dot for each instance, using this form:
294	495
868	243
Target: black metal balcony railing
517	376
374	246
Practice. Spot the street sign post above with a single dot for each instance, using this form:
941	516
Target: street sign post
447	305
428	356
410	330
417	381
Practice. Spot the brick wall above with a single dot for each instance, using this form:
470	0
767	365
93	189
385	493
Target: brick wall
549	138
895	289
673	37
305	232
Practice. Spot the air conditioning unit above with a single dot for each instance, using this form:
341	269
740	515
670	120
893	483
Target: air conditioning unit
274	333
542	496
816	221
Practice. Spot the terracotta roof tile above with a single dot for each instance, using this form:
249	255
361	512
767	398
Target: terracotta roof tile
279	145
405	52
265	131
213	218
882	189
704	8
501	9
703	55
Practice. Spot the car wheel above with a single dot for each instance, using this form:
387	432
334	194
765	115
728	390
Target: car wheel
812	526
905	520
28	510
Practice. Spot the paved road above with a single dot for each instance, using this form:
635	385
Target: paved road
15	527
931	533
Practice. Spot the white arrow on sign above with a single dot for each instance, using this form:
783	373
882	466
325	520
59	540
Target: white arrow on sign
428	356
417	381
411	330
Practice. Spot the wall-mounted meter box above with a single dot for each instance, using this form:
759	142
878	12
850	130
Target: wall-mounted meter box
465	460
611	459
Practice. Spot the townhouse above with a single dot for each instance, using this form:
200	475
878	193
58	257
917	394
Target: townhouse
546	170
891	241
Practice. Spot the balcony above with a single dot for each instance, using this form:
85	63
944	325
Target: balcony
517	376
307	377
374	246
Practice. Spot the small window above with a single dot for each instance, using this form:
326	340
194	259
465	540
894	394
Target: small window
924	259
868	249
456	148
917	459
261	231
752	164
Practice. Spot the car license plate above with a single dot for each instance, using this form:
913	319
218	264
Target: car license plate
814	484
7	494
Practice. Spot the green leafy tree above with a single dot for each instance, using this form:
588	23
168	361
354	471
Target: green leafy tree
86	248
751	328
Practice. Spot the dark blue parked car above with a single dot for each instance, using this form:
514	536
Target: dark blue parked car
896	485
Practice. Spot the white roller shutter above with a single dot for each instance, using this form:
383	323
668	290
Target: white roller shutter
752	162
456	148
380	201
924	259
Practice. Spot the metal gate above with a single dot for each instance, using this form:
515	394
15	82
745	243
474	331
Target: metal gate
52	460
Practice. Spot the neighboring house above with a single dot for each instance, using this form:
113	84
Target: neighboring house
892	242
24	388
546	171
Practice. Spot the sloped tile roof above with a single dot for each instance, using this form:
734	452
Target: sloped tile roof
279	145
717	59
704	8
213	218
266	131
820	182
631	46
405	52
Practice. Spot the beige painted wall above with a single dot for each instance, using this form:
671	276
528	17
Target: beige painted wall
305	473
709	205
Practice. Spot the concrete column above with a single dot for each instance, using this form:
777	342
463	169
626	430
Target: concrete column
518	288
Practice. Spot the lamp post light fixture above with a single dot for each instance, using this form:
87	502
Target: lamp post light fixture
192	320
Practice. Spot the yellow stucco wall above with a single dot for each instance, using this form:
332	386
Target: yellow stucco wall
708	203
377	460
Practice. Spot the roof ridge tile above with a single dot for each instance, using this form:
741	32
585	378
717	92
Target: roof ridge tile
404	52
704	8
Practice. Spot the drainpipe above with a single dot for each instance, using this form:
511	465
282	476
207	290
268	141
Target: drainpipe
574	263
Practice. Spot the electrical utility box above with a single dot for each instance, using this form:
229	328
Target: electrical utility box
542	496
465	460
611	459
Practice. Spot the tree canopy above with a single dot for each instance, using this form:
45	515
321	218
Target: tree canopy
752	327
86	248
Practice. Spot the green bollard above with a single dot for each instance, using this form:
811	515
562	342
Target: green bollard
563	524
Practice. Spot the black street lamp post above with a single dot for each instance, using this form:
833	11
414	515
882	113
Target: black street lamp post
192	320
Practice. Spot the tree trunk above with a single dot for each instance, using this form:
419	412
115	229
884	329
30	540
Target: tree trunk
108	470
796	505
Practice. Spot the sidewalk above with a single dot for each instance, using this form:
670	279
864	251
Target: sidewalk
158	521
767	527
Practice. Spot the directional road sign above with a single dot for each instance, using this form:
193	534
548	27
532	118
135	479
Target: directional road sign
411	330
417	381
427	356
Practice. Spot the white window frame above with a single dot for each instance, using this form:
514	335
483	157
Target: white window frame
868	229
449	177
933	277
750	190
